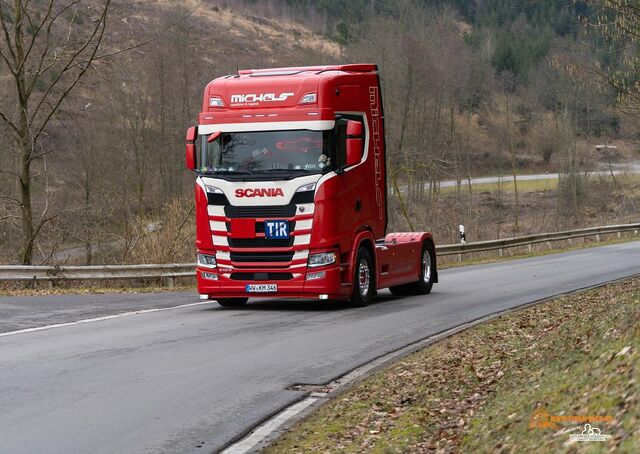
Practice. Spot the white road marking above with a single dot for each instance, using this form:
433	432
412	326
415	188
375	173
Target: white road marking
99	319
262	432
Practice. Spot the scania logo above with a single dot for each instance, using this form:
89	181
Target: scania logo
259	97
259	192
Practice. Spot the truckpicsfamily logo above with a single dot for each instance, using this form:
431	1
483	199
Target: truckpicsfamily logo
259	97
259	192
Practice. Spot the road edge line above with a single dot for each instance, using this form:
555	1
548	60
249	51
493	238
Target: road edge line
100	319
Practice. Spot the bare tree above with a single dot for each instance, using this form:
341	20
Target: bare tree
46	50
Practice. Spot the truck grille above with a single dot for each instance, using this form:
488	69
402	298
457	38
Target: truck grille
257	258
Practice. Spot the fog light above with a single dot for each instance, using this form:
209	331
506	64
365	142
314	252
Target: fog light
210	276
313	276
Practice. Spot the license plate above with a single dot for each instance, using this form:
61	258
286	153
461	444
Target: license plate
261	288
276	229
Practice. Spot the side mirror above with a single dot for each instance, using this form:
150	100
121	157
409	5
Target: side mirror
354	142
190	155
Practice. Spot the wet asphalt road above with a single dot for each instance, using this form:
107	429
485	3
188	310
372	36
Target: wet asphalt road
193	378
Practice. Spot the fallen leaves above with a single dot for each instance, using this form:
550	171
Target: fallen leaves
477	390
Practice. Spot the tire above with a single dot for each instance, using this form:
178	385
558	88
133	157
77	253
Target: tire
427	275
232	302
363	279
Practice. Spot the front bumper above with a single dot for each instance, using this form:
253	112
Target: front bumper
330	286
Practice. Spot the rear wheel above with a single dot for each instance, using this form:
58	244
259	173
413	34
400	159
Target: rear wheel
363	279
427	275
232	302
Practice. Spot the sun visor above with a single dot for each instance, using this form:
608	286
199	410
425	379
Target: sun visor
315	125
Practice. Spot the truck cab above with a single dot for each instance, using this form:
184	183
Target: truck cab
290	192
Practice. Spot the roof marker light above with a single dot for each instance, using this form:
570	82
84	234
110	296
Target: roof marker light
308	98
216	101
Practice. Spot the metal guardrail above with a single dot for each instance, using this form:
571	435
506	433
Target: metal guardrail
169	272
529	240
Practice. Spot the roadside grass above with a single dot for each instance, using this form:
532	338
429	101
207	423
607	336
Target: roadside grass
539	253
537	185
486	389
546	184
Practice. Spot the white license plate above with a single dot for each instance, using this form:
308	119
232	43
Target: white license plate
261	288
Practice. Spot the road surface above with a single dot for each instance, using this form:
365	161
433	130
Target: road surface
191	379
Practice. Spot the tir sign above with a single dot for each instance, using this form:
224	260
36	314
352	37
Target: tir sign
276	229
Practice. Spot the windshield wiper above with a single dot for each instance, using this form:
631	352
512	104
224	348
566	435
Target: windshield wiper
286	170
229	172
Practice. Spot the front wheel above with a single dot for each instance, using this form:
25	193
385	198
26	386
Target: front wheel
232	302
363	279
427	275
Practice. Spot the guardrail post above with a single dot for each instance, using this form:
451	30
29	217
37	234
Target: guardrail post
619	235
170	282
598	237
460	257
48	284
530	248
501	252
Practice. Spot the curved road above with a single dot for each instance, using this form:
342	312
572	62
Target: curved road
618	169
193	378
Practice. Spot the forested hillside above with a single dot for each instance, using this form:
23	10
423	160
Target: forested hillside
484	87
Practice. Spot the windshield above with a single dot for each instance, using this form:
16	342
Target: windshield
250	153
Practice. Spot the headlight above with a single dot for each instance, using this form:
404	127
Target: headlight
321	259
306	187
208	261
214	190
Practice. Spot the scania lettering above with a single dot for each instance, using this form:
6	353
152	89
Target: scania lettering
291	194
271	192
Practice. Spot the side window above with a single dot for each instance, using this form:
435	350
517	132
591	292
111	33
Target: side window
341	142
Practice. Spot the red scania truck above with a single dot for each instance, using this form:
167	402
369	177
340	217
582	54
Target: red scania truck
291	197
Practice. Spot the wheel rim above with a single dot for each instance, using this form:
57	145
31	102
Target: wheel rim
426	266
364	278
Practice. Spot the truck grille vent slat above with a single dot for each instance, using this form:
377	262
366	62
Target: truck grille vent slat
261	257
261	276
268	211
260	242
260	228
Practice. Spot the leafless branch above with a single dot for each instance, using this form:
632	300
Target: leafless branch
99	31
